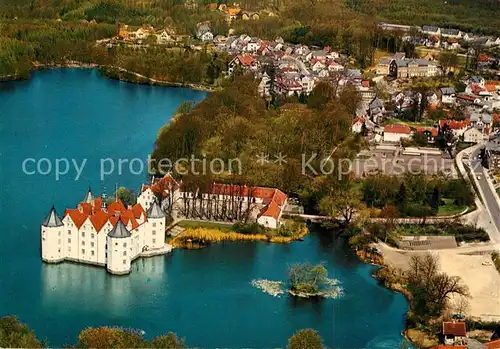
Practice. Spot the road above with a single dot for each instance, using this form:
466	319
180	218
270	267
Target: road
490	197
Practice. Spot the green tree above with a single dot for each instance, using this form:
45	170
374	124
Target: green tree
305	339
126	196
435	200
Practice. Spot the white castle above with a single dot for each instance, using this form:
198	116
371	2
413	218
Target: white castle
111	236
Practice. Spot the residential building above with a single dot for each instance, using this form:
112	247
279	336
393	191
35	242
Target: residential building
410	68
448	95
219	202
246	62
457	127
111	236
476	80
451	33
395	133
376	109
473	135
454	333
429	132
492	154
357	125
203	32
383	67
431	30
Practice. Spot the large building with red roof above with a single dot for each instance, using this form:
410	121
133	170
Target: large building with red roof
109	235
216	202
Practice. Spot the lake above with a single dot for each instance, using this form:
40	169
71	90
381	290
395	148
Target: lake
203	295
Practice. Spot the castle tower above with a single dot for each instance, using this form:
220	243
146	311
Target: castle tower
155	226
89	198
119	250
52	238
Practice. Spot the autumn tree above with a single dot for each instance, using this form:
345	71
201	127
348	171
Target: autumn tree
431	289
447	60
305	339
14	334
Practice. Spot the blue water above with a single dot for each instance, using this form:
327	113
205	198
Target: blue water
202	295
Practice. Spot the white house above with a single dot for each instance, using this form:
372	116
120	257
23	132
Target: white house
318	66
109	236
448	95
473	135
222	202
357	125
163	37
454	333
395	133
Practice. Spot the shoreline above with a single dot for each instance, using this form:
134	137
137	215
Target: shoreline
119	71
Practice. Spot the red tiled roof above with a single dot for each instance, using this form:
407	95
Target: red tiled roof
476	89
272	198
245	60
358	119
444	346
403	129
454	124
98	217
493	344
432	130
454	328
483	57
163	186
467	97
365	83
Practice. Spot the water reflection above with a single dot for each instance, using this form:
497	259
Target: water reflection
71	285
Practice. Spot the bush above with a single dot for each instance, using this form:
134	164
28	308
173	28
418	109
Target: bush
250	229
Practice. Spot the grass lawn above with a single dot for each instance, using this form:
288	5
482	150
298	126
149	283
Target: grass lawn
209	225
463	145
450	209
409	123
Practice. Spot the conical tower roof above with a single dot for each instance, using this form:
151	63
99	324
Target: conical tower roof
119	230
89	198
155	211
52	220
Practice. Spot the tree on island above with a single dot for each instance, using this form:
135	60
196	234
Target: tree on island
306	278
305	339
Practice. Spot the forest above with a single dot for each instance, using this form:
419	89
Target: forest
49	31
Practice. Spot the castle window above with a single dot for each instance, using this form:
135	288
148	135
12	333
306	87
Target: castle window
69	232
92	253
124	244
59	233
154	232
124	261
83	234
83	251
154	241
124	253
91	244
154	225
92	236
69	241
69	249
83	243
